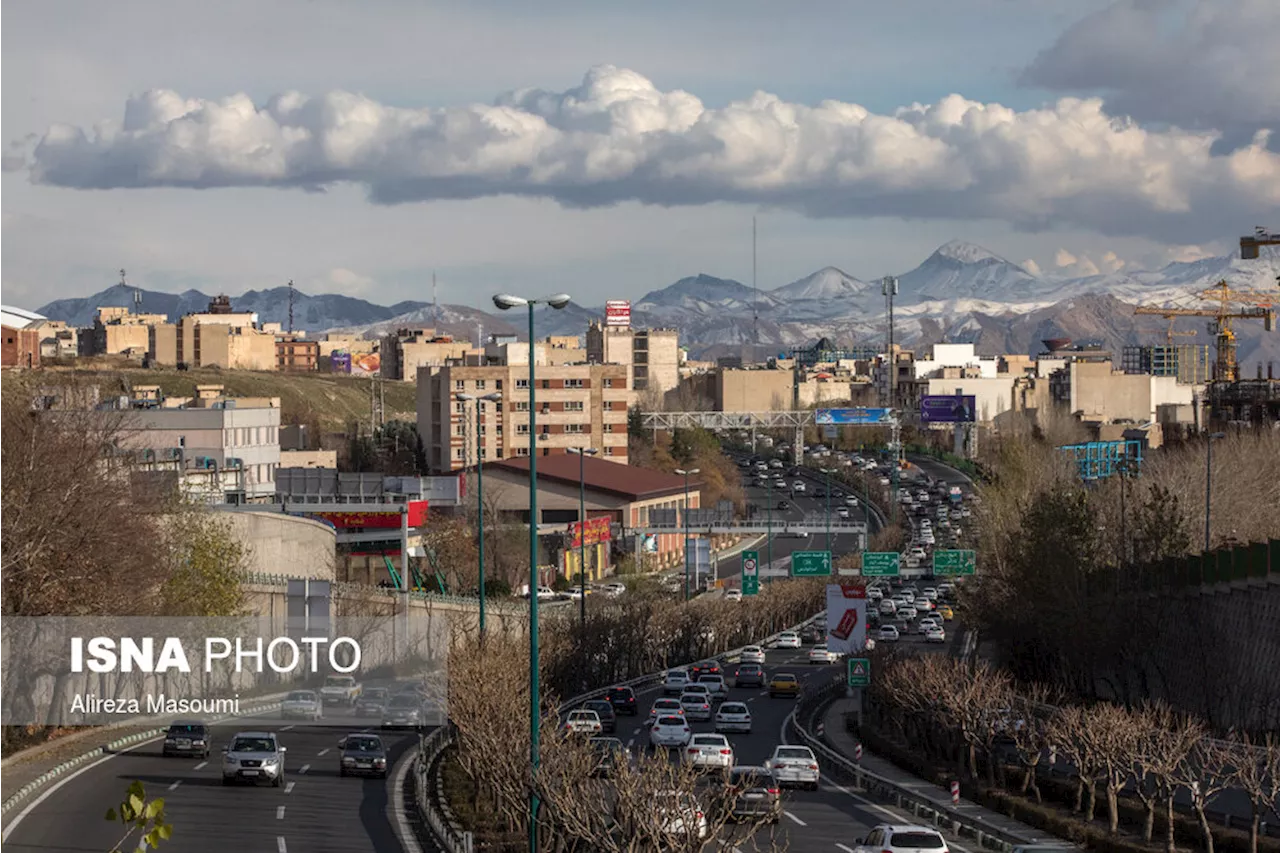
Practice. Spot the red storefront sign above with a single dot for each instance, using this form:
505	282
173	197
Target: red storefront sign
378	520
598	530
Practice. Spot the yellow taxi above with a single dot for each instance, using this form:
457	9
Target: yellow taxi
784	684
944	610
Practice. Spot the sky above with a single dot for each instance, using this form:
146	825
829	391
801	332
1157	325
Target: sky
609	149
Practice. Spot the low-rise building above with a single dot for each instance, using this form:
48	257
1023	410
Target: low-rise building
407	350
652	356
755	390
19	340
295	354
118	331
57	339
578	405
963	357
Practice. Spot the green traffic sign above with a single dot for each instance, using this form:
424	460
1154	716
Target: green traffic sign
810	564
750	573
954	562
859	672
881	563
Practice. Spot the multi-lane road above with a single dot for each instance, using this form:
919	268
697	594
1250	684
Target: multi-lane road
318	811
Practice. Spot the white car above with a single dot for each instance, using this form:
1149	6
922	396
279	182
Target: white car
888	634
715	685
752	654
822	655
677	680
798	486
843	512
613	590
709	751
302	705
902	838
874	593
733	595
680	817
795	765
583	722
908	613
888	607
908	595
851	501
696	705
930	593
788	640
935	634
666	708
669	732
734	717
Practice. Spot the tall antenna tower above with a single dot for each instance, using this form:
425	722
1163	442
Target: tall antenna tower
755	286
291	306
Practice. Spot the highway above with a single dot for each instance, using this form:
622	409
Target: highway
316	810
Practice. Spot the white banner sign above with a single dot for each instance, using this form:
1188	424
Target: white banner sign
846	618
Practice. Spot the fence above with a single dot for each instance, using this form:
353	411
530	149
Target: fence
1255	561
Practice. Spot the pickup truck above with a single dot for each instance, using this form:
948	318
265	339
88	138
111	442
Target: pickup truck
340	690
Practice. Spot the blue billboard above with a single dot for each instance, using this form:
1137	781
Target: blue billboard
836	417
951	409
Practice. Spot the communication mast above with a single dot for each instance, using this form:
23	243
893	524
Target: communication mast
755	287
291	306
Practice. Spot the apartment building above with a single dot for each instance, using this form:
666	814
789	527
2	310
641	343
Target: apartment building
554	349
652	356
117	331
296	355
217	338
403	352
755	390
578	405
57	339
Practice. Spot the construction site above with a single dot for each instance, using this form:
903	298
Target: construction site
1229	397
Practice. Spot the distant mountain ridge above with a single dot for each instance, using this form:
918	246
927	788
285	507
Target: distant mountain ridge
961	292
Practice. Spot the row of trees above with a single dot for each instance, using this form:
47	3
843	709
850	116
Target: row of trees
488	702
980	721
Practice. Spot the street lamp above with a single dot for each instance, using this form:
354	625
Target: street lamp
583	453
1208	482
828	471
506	301
768	542
479	401
686	525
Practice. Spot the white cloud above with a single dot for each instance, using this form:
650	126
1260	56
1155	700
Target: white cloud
1031	266
346	282
1112	263
1065	259
619	138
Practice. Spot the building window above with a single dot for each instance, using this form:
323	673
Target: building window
608	405
608	451
573	406
573	383
522	451
522	383
608	383
459	384
497	383
520	407
573	428
457	429
546	383
460	408
522	429
457	453
479	384
608	427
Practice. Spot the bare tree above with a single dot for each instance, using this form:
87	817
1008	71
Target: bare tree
1205	771
1169	737
1117	742
1031	738
1255	770
1071	737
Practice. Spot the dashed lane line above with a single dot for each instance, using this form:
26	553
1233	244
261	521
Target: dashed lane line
793	817
304	768
175	785
201	765
280	845
288	787
286	728
322	753
279	812
844	848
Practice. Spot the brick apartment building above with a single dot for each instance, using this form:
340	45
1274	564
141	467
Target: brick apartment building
578	405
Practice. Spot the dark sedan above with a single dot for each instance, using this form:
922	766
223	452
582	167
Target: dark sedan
604	710
753	793
372	702
362	755
623	700
749	675
187	737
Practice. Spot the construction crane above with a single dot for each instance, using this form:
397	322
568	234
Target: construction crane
1261	306
1169	333
1261	237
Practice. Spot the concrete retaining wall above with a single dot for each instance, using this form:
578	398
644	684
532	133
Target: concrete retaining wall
285	544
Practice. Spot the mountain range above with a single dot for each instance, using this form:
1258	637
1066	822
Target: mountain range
960	293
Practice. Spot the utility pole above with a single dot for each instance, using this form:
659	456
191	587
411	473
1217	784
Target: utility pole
889	288
291	306
755	287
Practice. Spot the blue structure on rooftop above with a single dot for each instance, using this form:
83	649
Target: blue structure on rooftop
1098	460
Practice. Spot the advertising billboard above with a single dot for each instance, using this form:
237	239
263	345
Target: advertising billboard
366	364
834	417
340	362
597	531
953	409
617	312
378	520
846	618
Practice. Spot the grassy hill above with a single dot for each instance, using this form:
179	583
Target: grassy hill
326	401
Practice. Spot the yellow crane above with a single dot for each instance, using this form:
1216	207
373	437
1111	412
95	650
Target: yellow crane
1261	237
1169	333
1222	313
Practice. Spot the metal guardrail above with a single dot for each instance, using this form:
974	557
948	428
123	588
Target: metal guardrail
922	808
434	745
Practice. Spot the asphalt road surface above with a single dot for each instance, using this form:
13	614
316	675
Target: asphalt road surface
314	812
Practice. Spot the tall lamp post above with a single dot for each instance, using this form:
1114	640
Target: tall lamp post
828	471
685	513
506	301
768	542
479	401
1208	482
583	453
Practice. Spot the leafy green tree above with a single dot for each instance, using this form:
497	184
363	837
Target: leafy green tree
140	817
208	565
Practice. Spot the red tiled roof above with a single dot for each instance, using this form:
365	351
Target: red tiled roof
601	475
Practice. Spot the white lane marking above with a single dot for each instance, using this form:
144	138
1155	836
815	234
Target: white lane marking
175	785
280	845
322	753
13	825
844	848
201	765
279	812
630	743
288	787
286	728
304	768
793	817
408	838
636	732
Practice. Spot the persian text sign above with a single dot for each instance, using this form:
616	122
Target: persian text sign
597	531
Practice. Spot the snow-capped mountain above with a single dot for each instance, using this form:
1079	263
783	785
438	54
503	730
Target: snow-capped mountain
961	292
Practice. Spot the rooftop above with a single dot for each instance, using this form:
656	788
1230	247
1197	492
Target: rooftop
601	475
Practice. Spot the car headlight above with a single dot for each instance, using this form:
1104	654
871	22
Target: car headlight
348	760
270	762
169	740
197	743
